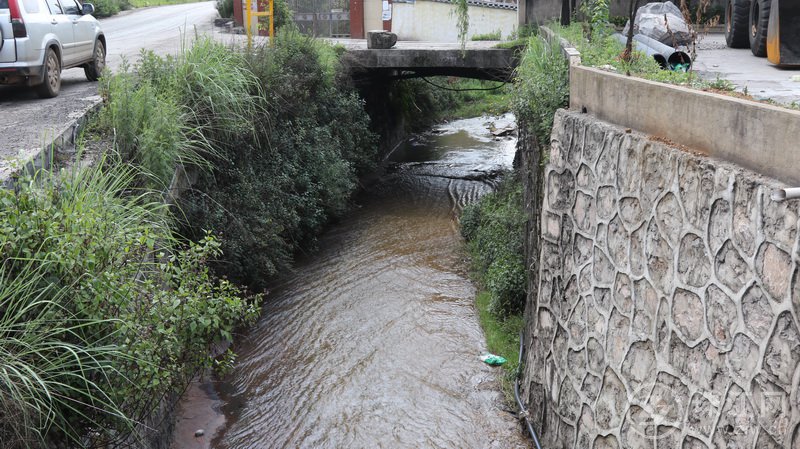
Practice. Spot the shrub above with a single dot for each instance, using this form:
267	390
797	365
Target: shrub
494	230
225	8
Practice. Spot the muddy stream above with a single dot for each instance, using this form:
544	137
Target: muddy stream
373	341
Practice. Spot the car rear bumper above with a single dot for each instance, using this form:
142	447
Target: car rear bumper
29	76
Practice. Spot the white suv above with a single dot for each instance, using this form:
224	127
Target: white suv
40	38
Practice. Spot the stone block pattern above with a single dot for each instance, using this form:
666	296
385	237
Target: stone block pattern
666	314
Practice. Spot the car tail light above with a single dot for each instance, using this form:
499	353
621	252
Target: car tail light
17	24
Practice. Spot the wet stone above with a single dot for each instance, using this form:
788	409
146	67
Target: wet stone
638	368
691	442
568	401
662	328
687	314
757	312
585	178
602	268
576	364
737	425
577	144
766	442
645	306
606	442
566	436
602	297
638	429
779	220
659	259
585	279
783	350
611	403
570	298
551	258
586	427
560	190
696	186
796	292
560	347
731	268
774	268
668	399
551	226
617	338
618	239
577	325
667	437
606	167
606	202
591	387
595	322
601	236
595	136
659	167
743	357
623	294
745	213
582	250
694	265
720	316
670	217
629	174
719	224
584	213
596	355
630	211
637	258
700	364
701	415
772	404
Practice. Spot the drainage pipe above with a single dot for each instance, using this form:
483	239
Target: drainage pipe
786	194
673	56
653	53
523	412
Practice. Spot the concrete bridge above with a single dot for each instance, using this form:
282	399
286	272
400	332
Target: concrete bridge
408	59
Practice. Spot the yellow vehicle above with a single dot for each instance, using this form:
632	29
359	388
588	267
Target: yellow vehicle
769	28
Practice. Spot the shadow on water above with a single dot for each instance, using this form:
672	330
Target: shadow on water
374	340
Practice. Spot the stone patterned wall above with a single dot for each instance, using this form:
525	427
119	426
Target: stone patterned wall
668	303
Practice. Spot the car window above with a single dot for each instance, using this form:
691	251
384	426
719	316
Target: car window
55	7
71	7
3	4
31	6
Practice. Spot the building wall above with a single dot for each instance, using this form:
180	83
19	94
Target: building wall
436	22
668	298
544	11
372	15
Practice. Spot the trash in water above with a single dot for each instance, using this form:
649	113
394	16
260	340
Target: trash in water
491	359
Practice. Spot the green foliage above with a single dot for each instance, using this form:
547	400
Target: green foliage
225	8
494	230
462	21
106	8
542	87
275	186
139	309
494	36
502	338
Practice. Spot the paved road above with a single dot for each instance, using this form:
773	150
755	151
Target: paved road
27	122
761	78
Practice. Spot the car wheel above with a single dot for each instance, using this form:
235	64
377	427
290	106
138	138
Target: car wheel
52	76
737	19
759	23
94	69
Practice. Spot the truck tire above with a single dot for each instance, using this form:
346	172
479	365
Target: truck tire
759	23
737	19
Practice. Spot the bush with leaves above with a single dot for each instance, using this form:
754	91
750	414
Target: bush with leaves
494	229
117	312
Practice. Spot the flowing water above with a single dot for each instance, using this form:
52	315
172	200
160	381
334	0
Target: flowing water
374	341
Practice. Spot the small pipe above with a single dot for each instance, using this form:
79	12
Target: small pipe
786	194
673	56
523	412
653	53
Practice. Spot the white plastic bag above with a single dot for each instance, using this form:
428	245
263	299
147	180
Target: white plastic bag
650	21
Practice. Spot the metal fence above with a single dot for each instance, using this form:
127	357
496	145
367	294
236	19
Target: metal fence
322	18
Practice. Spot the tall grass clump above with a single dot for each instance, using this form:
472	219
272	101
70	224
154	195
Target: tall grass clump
272	191
494	230
93	273
542	87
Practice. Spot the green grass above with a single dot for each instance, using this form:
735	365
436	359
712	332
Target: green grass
502	338
493	36
476	98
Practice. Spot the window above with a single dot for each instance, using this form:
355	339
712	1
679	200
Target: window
3	4
71	7
55	7
31	6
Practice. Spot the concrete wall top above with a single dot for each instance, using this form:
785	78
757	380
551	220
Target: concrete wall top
760	137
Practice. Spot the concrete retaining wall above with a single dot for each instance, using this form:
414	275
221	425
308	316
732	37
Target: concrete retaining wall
668	297
436	21
757	136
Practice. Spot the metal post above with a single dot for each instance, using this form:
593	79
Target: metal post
248	21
